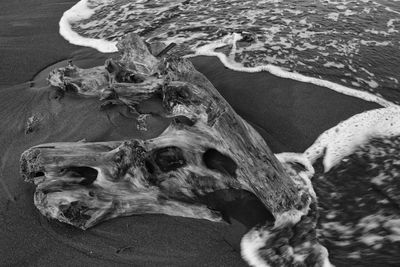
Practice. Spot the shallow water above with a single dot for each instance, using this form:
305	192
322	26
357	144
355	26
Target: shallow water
353	43
359	206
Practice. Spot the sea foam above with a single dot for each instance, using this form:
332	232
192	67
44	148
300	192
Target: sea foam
229	62
279	33
78	12
341	140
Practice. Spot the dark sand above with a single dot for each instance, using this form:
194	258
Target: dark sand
289	114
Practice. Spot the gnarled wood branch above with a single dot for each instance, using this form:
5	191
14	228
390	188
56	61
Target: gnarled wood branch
207	147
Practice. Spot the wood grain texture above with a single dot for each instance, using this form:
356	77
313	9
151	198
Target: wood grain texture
206	148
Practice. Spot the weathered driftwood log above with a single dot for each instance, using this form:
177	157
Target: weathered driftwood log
206	148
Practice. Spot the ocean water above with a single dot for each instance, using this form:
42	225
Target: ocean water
359	206
352	43
352	47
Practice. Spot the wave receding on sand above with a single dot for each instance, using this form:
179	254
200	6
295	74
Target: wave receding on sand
293	37
79	12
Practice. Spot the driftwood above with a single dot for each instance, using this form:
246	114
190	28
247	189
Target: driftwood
207	147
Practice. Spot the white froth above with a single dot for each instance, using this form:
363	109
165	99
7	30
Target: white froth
375	43
76	13
343	139
372	222
250	245
229	62
255	240
299	158
330	64
333	16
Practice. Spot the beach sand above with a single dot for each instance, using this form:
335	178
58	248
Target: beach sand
288	114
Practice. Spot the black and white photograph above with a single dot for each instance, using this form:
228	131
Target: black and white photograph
185	133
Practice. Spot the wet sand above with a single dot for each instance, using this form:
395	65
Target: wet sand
289	115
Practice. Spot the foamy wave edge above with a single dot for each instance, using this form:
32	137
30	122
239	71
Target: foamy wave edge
76	13
339	141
